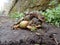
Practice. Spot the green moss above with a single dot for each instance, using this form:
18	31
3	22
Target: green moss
33	28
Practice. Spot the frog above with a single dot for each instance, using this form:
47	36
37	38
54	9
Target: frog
33	19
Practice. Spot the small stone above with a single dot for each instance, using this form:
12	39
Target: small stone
36	44
37	33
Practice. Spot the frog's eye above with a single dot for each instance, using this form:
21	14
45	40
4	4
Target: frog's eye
39	20
43	17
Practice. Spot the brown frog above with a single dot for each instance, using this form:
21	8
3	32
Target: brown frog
31	19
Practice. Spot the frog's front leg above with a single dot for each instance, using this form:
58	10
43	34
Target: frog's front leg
15	27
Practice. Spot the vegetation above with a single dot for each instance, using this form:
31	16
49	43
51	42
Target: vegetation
53	15
16	15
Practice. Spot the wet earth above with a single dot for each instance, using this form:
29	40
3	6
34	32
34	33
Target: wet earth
47	35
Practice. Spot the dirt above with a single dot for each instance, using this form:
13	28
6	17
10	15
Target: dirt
42	36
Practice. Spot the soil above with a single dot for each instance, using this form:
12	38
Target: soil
47	35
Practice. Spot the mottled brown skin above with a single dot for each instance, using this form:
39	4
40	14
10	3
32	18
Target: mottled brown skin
36	15
34	18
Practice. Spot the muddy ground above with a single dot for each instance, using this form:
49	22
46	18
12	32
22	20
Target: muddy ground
47	35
